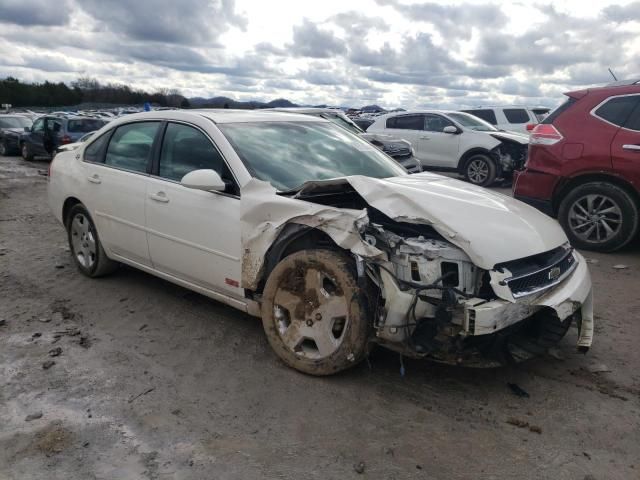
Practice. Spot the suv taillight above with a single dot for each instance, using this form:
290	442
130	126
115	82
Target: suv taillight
530	126
545	134
65	139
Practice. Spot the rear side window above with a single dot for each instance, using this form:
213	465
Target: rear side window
84	126
516	115
486	115
559	111
130	146
406	122
185	149
95	152
618	109
633	122
436	123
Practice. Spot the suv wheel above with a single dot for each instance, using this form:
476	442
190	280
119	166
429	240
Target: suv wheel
480	170
314	313
3	149
26	153
599	216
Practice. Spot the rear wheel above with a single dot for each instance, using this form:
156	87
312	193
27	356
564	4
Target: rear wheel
314	313
599	216
480	170
26	152
85	245
3	149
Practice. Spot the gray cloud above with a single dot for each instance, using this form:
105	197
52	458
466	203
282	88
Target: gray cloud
35	12
622	14
171	21
311	41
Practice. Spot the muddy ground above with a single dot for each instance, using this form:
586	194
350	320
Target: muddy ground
154	382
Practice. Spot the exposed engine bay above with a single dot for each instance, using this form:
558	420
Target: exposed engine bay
509	154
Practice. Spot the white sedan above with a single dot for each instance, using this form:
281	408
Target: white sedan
456	141
295	220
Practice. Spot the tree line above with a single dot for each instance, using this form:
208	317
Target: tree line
83	90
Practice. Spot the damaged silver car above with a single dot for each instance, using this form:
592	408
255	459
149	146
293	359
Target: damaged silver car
297	221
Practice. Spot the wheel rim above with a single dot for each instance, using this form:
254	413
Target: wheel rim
25	151
478	171
3	149
595	218
83	241
311	314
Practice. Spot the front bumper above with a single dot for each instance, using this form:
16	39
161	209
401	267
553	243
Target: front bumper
572	296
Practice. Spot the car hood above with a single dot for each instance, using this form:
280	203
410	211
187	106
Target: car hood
513	136
490	227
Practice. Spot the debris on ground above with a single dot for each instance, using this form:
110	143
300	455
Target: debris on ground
556	353
524	424
598	368
141	394
55	352
44	319
33	416
592	260
620	267
48	364
143	327
518	391
59	266
57	317
359	467
3	323
84	342
36	335
71	332
586	454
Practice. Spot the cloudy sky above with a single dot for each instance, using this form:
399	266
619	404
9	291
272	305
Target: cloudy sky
344	52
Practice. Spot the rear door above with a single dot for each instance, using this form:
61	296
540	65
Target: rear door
117	167
625	148
408	127
194	235
438	148
35	138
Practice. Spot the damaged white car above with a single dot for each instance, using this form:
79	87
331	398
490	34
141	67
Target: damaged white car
295	220
457	141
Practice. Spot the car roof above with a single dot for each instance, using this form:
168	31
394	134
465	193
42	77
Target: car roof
413	112
304	110
220	115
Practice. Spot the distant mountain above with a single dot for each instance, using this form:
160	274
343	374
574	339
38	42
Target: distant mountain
226	102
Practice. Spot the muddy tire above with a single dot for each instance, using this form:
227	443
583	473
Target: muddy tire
26	152
480	170
314	313
4	151
599	216
84	242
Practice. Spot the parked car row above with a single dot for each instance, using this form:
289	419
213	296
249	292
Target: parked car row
305	224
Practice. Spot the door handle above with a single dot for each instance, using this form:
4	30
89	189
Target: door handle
425	137
95	178
159	197
633	148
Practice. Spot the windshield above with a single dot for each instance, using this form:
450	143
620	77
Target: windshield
341	122
14	122
288	154
471	122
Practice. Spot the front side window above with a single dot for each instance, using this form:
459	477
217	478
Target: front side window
618	109
406	122
516	115
95	152
185	149
436	123
288	154
130	146
38	125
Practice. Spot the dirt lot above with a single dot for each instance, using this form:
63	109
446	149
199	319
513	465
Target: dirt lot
153	382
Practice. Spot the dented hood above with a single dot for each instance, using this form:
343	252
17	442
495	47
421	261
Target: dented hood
490	227
513	136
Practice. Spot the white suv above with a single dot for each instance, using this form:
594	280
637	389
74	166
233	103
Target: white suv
456	141
513	118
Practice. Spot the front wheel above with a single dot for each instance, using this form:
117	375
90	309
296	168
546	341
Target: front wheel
4	151
599	216
480	170
314	313
26	152
85	245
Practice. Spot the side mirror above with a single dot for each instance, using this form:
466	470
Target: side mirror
207	180
450	129
27	129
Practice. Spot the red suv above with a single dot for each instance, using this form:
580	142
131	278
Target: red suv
584	166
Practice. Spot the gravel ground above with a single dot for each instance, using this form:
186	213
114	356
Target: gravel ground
152	381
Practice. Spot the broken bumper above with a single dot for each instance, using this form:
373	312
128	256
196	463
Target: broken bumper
572	297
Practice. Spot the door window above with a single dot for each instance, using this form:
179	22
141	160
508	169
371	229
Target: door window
130	146
95	152
185	149
406	122
38	125
633	122
486	115
617	109
436	123
516	115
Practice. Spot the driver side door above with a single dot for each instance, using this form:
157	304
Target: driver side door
440	148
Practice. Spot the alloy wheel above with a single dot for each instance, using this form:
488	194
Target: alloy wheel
83	241
478	171
595	218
